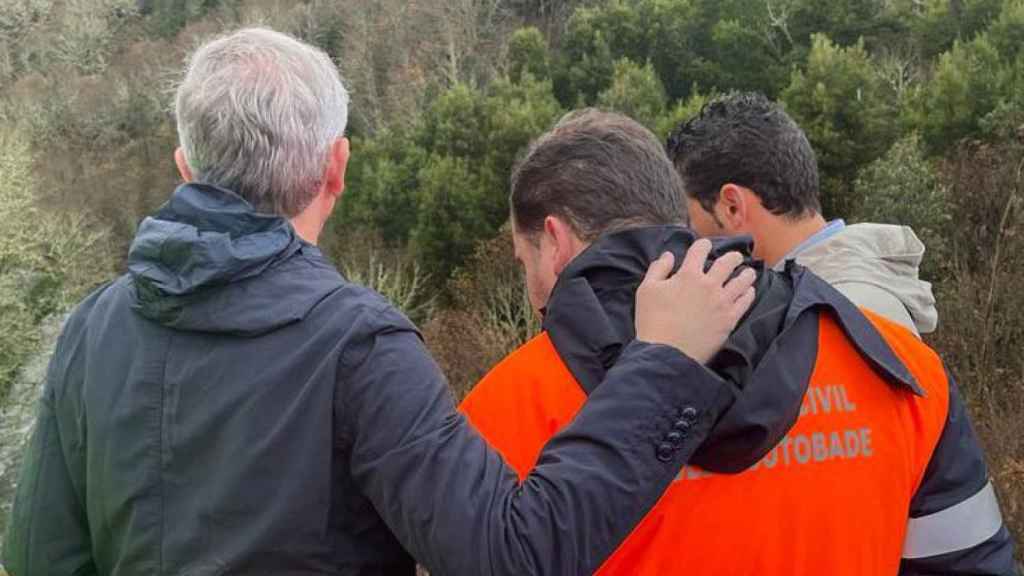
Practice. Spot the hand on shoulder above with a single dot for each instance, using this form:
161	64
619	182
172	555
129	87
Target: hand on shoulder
692	310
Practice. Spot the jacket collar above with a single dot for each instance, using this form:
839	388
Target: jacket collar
831	229
590	312
589	315
768	359
812	292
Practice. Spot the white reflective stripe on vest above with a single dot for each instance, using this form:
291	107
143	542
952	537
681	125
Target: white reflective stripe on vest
958	527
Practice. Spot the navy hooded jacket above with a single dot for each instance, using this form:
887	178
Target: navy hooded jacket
232	405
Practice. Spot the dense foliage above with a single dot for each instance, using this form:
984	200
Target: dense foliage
915	109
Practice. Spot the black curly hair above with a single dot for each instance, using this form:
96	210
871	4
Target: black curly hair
747	140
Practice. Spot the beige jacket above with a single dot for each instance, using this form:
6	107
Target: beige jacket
876	266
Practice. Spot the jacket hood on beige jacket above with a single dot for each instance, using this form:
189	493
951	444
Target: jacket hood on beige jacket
876	266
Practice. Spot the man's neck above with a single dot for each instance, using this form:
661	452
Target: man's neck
780	235
308	226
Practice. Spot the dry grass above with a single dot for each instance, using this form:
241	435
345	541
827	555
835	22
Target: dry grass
490	316
370	262
981	335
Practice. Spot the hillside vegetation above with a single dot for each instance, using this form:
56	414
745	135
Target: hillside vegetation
915	108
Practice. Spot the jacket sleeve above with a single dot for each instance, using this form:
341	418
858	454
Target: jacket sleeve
48	532
955	524
460	509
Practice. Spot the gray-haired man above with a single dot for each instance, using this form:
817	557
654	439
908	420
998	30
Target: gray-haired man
233	406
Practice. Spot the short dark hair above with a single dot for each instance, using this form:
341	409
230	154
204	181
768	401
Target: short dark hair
600	172
747	140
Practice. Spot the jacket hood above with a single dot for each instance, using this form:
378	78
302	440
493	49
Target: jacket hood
768	360
886	257
193	264
590	313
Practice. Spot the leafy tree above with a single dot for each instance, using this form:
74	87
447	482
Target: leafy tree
1007	36
452	215
637	92
528	54
320	23
976	87
845	21
166	18
455	124
682	110
542	9
678	38
380	192
586	65
102	143
38	35
718	44
746	59
517	113
964	88
901	187
667	33
840	103
1004	121
940	23
48	259
1007	31
473	137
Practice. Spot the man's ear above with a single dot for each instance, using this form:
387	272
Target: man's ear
733	208
183	169
563	240
337	164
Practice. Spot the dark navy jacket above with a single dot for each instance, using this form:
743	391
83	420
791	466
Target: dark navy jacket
234	406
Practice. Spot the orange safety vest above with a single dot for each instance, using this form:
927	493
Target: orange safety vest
831	498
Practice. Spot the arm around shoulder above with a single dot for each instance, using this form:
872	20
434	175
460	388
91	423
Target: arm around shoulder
460	509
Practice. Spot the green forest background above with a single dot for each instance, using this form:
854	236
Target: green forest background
915	109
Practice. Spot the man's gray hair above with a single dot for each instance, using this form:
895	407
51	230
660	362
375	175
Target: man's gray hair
257	114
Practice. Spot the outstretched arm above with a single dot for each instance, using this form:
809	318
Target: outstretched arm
460	509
